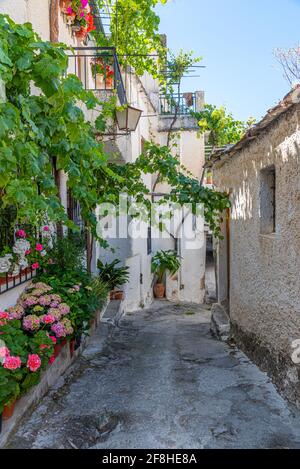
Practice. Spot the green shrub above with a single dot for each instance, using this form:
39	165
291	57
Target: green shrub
111	275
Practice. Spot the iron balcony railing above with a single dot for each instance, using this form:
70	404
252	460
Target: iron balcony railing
99	70
180	104
8	281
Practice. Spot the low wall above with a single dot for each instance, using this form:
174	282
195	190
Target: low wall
49	378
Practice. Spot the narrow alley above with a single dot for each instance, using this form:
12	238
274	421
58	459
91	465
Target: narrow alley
161	380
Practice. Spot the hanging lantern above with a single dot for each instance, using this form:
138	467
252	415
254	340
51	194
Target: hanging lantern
128	118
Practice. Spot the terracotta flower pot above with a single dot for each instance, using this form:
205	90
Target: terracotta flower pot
72	347
159	290
112	295
119	295
8	411
57	349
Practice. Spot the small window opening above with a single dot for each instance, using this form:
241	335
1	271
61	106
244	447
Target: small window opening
268	200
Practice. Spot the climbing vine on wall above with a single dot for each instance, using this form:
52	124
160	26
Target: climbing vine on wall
46	130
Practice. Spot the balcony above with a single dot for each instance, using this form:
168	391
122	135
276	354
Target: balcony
180	104
19	275
99	70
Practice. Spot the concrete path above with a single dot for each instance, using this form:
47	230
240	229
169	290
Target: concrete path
162	381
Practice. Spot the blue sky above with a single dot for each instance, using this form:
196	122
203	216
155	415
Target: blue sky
236	39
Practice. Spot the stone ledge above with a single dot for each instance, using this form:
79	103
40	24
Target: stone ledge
220	323
50	376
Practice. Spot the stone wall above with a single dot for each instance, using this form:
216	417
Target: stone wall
264	269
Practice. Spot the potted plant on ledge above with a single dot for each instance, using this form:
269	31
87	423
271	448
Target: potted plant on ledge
113	277
162	262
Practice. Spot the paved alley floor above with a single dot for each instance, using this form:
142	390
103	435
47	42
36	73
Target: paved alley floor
161	381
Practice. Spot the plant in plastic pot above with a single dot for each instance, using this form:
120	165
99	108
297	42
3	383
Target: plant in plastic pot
162	262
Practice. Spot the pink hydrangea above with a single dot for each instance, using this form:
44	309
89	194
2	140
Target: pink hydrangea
12	363
53	304
30	301
59	329
34	362
39	247
31	323
15	312
48	319
21	234
55	312
45	300
68	326
41	285
37	292
56	298
64	309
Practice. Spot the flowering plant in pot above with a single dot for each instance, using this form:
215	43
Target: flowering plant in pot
27	252
103	72
21	360
164	261
79	16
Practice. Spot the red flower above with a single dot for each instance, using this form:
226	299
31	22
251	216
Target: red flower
21	234
34	362
27	252
39	247
35	266
90	22
12	363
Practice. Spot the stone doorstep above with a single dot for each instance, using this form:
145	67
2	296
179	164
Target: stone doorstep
220	322
49	377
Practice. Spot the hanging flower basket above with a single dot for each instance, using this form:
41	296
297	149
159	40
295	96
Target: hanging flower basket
78	16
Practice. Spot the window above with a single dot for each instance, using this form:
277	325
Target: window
268	200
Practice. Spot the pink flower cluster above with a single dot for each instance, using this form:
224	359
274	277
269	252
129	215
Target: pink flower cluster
41	309
59	329
16	312
9	362
13	363
34	362
4	317
31	322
